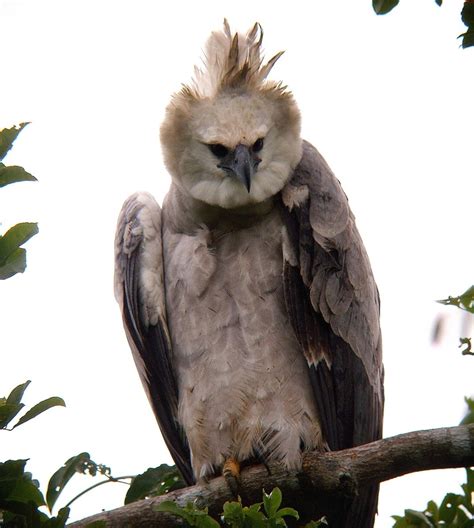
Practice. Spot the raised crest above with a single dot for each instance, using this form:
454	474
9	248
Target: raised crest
232	61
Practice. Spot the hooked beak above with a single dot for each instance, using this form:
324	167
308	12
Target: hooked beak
242	163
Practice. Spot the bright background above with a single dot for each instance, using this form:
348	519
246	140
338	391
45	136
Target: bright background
387	100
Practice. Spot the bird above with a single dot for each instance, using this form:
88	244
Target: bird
248	298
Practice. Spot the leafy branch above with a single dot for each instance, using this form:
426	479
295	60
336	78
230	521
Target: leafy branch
382	7
20	496
455	511
465	302
11	406
12	255
236	515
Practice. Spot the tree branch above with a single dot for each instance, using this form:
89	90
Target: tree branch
323	475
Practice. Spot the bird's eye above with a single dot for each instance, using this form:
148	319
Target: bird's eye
218	150
258	145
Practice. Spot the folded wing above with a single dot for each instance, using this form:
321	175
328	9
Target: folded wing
139	289
333	305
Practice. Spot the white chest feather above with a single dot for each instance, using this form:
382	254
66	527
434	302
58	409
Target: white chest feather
243	381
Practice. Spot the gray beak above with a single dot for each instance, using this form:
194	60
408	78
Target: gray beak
242	163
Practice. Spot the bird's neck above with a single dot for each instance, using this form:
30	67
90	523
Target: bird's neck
194	213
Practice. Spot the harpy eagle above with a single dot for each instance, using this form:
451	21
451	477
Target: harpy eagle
248	299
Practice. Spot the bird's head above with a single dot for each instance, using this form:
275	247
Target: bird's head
232	138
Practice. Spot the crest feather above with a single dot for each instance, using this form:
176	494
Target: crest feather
233	61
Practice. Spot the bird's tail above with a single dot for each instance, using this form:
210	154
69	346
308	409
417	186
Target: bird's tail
359	513
363	509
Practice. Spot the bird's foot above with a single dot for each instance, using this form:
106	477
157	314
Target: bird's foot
231	473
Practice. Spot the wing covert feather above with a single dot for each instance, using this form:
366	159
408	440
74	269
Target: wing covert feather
139	289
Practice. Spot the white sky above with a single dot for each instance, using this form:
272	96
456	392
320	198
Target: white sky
385	99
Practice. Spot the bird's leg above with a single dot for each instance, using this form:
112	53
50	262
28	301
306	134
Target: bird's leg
231	473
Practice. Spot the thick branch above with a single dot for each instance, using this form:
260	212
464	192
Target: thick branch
324	474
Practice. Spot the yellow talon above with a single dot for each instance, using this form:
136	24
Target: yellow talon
231	473
231	467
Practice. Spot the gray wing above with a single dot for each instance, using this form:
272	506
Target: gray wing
333	305
139	289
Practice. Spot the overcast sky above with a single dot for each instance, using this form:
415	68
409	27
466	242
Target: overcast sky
386	101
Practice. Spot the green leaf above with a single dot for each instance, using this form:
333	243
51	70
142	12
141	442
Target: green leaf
153	482
10	472
60	520
272	502
39	408
467	14
470	478
62	476
467	39
233	514
465	301
467	502
7	137
433	510
382	7
22	514
15	263
448	508
237	516
15	237
12	468
254	518
26	491
16	485
8	412
416	518
287	512
174	509
321	522
14	174
461	518
466	342
17	393
191	513
400	522
206	521
469	418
